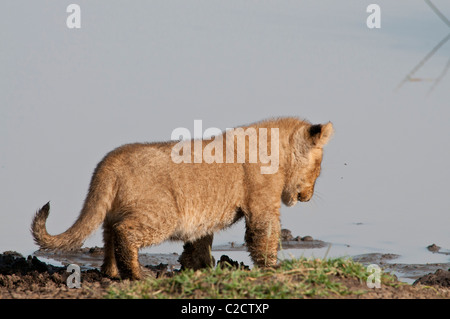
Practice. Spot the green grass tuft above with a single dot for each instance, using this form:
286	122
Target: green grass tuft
294	278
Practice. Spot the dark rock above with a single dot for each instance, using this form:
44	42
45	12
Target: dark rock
433	248
286	235
439	278
227	262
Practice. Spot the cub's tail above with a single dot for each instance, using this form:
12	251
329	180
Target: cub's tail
98	203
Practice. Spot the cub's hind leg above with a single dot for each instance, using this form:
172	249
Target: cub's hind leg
109	266
133	231
126	253
197	254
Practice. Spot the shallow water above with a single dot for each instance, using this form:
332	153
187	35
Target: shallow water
392	263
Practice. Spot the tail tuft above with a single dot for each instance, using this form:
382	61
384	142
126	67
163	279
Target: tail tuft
46	207
38	229
44	211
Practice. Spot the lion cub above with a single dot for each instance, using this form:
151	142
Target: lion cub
142	197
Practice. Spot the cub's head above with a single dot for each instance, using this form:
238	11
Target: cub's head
306	157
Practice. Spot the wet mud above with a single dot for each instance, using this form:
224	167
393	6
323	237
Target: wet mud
44	274
29	277
439	278
411	273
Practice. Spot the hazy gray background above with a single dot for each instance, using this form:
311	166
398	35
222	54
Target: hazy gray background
138	69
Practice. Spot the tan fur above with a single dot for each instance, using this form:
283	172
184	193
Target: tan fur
143	198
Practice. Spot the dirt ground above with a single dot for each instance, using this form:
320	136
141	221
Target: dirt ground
30	278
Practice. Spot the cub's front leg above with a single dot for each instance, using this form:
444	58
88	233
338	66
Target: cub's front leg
262	237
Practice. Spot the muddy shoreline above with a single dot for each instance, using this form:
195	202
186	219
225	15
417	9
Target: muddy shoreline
91	258
30	278
44	274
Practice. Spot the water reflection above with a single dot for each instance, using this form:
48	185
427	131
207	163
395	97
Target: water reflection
409	77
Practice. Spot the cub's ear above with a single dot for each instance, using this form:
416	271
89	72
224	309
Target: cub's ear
320	134
312	136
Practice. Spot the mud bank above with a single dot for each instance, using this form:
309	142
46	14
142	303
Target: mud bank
44	274
30	278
